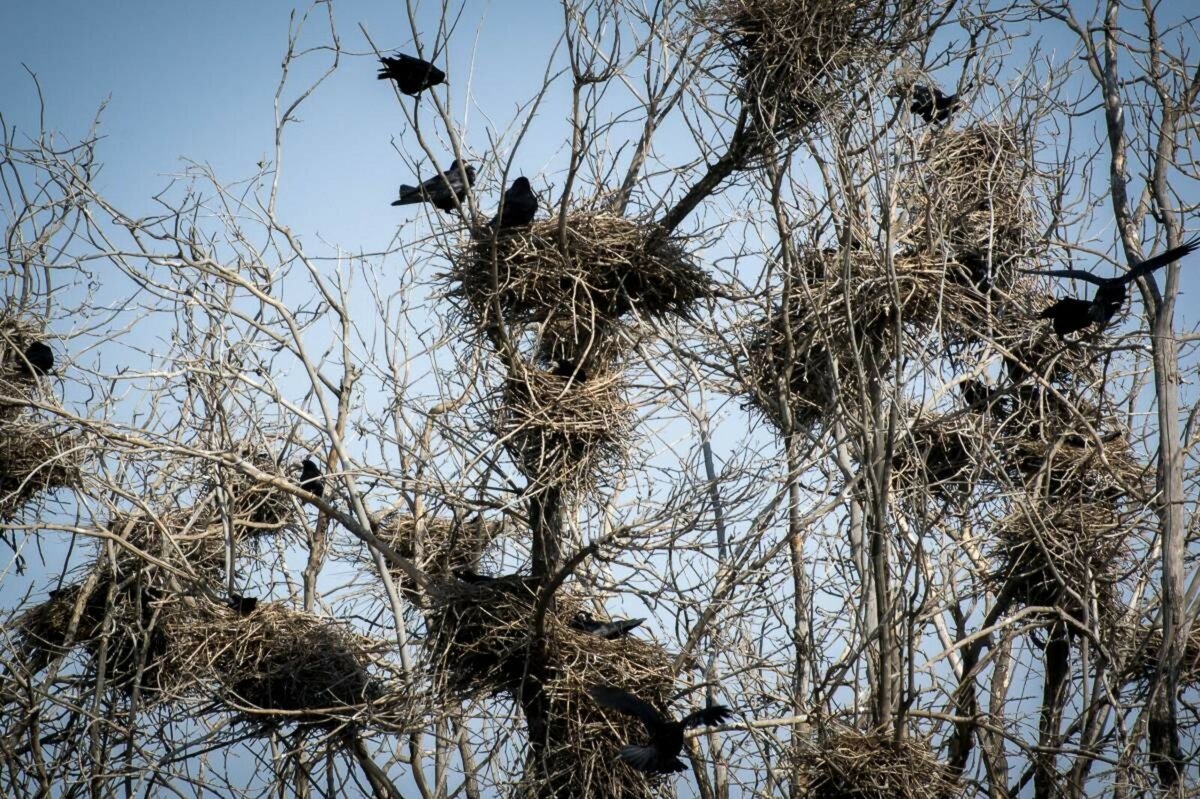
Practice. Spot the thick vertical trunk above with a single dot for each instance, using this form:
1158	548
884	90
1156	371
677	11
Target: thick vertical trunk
1054	694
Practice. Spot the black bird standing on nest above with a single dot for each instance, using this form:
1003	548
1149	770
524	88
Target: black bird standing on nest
412	75
1071	314
564	367
310	478
617	628
930	104
39	359
661	755
445	191
519	206
244	605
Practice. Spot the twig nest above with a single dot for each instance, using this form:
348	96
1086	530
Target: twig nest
1140	648
970	194
795	58
1068	556
592	270
16	334
36	457
943	455
847	764
276	664
563	430
258	508
438	545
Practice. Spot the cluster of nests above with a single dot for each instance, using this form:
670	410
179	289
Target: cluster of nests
35	456
849	764
483	638
795	58
575	288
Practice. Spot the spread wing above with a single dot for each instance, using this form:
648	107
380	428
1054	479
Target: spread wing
1162	259
1075	274
706	716
627	703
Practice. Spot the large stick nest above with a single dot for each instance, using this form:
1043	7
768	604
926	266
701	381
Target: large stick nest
482	637
794	58
599	269
1064	555
278	664
36	457
16	334
970	194
258	508
942	455
844	309
1140	648
439	546
847	764
560	430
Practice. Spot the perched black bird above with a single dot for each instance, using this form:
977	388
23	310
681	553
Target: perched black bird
564	367
617	628
38	360
519	206
310	478
244	605
473	577
1070	314
661	755
412	75
442	191
930	104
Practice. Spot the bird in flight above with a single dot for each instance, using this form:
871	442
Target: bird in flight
412	75
310	478
930	104
39	359
1071	314
661	754
519	206
445	191
617	628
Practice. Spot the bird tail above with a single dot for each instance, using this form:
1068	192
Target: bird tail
408	195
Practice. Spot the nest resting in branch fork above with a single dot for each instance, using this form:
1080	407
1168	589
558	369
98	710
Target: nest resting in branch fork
848	764
1068	556
278	664
16	334
846	307
563	431
258	508
1140	648
970	195
445	545
35	457
482	638
796	58
575	285
941	454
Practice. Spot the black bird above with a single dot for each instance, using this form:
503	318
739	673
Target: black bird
412	75
519	206
244	605
1071	314
564	367
442	190
39	359
661	755
617	628
930	104
310	478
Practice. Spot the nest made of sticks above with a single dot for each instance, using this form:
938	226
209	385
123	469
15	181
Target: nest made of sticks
1064	555
795	58
258	508
275	663
16	334
596	269
971	194
438	545
36	457
1139	645
848	764
941	454
563	431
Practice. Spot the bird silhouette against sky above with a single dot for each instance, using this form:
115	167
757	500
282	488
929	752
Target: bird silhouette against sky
519	206
38	360
929	103
617	628
1071	314
310	478
661	754
444	191
411	74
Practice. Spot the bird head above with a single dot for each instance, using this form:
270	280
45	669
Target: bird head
521	184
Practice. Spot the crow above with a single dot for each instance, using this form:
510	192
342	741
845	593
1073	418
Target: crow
661	755
412	75
519	206
930	104
310	478
39	359
617	628
244	605
444	191
1071	314
564	367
